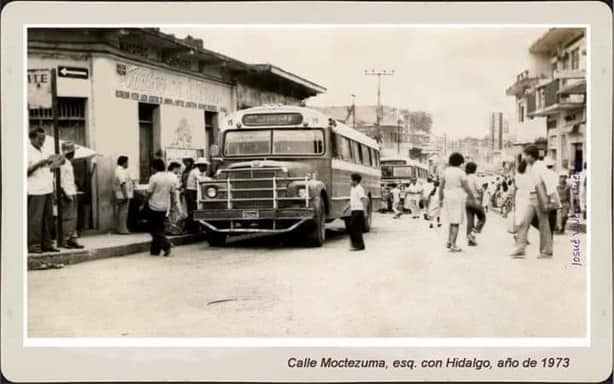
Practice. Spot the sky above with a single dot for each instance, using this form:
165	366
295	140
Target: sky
458	75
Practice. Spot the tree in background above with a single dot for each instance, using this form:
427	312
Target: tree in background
420	121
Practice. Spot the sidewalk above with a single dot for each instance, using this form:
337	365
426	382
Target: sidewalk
102	246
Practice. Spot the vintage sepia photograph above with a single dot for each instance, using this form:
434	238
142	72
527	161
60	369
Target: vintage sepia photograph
307	181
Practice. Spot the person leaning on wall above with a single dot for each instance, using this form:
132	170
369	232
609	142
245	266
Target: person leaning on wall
123	191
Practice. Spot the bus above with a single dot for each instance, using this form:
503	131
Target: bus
398	171
285	169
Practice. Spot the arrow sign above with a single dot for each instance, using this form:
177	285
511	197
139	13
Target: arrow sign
74	72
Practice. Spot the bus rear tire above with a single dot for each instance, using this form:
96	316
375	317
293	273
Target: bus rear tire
216	239
317	230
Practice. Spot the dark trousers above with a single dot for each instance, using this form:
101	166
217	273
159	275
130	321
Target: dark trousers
69	218
475	210
357	225
159	242
191	205
40	216
551	221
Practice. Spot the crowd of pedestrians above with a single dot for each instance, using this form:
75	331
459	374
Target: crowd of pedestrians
166	208
533	195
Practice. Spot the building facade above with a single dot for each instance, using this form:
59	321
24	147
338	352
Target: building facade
553	92
144	94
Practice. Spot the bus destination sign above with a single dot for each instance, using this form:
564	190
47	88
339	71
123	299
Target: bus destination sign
270	119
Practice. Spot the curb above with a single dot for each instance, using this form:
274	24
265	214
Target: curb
79	256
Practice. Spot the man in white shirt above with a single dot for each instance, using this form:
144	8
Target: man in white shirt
413	193
123	190
543	170
396	201
197	173
358	202
40	194
160	199
69	198
539	200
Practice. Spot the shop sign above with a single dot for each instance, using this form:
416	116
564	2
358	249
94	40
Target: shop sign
39	88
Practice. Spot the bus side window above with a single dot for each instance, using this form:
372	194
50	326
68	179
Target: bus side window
347	150
356	154
335	146
365	155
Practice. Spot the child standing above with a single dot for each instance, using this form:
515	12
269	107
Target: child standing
434	206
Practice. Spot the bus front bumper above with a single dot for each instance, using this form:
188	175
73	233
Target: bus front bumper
263	220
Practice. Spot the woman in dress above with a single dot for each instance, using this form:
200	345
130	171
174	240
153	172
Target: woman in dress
452	192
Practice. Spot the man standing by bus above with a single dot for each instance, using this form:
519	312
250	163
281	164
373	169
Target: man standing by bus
358	202
396	201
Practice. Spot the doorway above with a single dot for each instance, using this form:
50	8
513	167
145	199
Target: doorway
146	140
211	129
578	162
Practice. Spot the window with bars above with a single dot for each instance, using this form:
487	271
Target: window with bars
71	119
69	108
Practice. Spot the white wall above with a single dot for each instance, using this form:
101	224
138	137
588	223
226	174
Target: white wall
114	132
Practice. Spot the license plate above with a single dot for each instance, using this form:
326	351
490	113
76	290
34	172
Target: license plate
250	214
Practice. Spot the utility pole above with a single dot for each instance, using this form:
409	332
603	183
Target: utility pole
379	74
353	111
56	143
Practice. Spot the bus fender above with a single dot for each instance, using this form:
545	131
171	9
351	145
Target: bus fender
316	187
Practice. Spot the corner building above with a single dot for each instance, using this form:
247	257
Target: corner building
144	94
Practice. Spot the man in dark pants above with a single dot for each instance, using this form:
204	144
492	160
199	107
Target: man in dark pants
358	202
40	194
161	197
550	181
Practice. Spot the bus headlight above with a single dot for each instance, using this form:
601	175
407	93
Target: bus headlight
301	192
211	192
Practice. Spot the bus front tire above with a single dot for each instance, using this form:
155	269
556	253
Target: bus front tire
317	229
216	239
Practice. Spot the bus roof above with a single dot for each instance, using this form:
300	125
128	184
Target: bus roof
312	117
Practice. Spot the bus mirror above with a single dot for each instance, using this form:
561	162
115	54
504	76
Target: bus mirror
214	150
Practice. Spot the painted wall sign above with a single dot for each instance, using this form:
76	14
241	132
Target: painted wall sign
39	88
167	88
151	99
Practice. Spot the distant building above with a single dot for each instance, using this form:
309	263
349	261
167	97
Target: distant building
395	134
551	96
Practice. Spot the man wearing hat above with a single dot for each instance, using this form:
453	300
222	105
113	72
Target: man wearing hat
199	172
69	197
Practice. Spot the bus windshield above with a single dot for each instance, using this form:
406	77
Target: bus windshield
274	142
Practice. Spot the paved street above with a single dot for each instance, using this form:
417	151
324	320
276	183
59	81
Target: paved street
406	284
